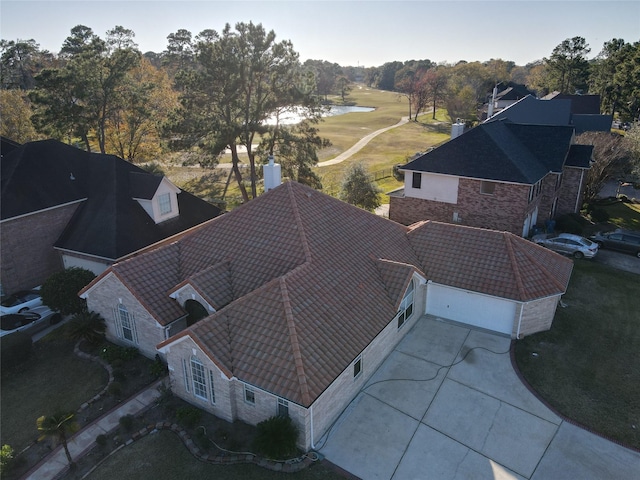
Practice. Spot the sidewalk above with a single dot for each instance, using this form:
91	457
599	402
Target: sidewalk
56	462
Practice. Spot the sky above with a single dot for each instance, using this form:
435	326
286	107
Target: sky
349	33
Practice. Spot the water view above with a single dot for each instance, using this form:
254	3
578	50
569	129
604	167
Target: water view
295	116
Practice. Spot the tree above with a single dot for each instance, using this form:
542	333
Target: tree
344	87
461	105
15	121
60	290
568	68
18	63
179	53
435	82
611	160
359	189
133	131
632	142
243	79
58	427
603	75
87	326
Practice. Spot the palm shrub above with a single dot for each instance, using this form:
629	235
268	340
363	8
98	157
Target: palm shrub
88	326
277	437
58	427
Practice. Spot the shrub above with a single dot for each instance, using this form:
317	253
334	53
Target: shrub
570	223
101	440
397	174
276	438
118	375
126	422
115	354
189	416
88	326
158	368
60	290
6	458
115	389
599	215
15	349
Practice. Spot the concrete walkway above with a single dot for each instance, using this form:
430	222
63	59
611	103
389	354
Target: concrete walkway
447	404
56	462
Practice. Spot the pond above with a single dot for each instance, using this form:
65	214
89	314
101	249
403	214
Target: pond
295	116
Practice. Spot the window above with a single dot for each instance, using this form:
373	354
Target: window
249	395
213	394
198	378
164	202
416	180
283	408
406	306
357	367
126	324
487	187
185	373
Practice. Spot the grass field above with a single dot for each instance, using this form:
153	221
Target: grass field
587	365
343	131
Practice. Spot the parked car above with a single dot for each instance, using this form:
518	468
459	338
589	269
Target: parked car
20	301
30	322
568	243
621	240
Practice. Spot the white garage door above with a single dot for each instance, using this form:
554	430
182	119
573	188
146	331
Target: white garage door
471	308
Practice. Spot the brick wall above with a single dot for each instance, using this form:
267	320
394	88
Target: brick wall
27	256
505	210
571	189
106	298
537	316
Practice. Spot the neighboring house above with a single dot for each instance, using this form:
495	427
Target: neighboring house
573	110
63	207
499	175
304	296
503	96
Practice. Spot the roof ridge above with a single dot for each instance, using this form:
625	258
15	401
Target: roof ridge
514	264
516	143
295	344
296	215
547	272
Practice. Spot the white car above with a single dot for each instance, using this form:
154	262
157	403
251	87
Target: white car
568	243
30	322
20	301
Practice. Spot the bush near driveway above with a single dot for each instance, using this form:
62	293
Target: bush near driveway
587	366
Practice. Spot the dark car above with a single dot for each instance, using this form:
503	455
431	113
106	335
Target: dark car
30	322
620	240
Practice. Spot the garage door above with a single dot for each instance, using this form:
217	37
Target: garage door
471	308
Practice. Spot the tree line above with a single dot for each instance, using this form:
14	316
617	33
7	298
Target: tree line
228	91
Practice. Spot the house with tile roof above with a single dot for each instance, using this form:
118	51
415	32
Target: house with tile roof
62	207
301	297
498	175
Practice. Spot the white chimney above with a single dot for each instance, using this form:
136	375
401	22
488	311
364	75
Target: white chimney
457	129
271	173
492	102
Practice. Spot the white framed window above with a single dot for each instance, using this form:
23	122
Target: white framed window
357	367
185	373
213	393
164	203
283	407
406	306
249	395
125	323
198	378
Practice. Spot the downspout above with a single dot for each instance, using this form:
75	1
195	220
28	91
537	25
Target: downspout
575	209
519	321
313	446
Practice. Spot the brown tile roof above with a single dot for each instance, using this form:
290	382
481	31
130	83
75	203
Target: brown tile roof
306	282
487	261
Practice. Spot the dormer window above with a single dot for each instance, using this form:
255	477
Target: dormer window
164	203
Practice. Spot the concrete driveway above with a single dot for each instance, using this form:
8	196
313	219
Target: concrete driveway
447	404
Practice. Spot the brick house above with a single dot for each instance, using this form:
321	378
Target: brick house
499	175
62	207
300	297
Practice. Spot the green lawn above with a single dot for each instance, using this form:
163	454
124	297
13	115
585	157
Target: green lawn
587	366
163	456
43	386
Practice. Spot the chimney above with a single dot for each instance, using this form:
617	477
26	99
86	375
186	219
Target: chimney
492	102
457	129
271	173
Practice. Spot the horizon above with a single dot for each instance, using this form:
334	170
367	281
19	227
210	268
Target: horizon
346	32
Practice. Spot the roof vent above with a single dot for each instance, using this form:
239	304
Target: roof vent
71	177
